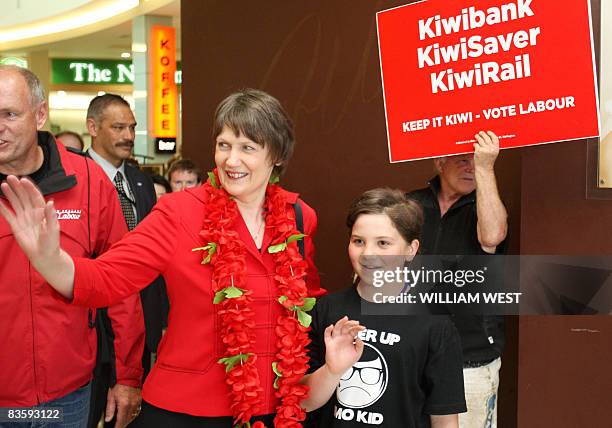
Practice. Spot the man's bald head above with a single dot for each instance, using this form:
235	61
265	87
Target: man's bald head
37	93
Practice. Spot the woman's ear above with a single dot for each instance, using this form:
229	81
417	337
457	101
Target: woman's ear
412	249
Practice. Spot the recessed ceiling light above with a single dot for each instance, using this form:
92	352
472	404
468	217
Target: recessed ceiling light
139	47
125	54
101	93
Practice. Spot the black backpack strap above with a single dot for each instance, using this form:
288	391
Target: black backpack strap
299	222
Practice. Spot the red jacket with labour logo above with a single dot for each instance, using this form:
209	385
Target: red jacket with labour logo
48	346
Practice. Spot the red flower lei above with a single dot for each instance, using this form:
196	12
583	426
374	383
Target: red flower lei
226	253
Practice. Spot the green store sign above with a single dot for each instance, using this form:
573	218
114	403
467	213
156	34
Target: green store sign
99	72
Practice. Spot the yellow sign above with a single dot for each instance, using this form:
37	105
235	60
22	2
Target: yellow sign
164	93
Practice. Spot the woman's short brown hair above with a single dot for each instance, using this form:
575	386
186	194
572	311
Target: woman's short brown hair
261	118
405	214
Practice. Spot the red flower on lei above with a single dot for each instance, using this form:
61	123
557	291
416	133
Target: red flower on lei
227	255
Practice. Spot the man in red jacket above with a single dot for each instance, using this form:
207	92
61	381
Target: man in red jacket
48	345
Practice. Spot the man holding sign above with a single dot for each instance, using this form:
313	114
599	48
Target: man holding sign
464	215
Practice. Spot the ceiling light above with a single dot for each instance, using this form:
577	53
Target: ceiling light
125	55
139	47
11	60
100	93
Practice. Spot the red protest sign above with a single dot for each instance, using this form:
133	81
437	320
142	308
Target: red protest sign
523	69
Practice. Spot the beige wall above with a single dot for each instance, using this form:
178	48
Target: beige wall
605	91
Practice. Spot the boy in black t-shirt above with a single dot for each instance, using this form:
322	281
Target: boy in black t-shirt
407	370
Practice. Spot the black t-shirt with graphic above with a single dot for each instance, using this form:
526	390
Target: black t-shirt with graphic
411	367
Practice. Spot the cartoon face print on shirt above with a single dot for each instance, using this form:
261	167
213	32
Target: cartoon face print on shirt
365	382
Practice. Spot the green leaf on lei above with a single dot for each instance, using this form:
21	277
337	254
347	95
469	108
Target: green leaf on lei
295	238
273	249
309	303
233	292
277	373
274	179
230	362
227	293
211	248
213	180
304	318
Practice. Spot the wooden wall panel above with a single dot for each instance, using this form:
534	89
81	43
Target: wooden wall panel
320	58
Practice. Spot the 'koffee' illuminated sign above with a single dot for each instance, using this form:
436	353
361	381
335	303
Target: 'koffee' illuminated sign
163	95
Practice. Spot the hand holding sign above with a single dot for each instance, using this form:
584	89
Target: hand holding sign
486	149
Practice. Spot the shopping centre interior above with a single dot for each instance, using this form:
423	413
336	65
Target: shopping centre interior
320	58
88	48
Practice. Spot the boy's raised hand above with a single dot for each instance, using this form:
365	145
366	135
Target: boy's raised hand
342	346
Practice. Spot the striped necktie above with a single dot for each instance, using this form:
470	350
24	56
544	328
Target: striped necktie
125	201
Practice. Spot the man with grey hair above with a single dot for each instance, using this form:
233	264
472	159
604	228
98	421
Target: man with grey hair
49	345
464	215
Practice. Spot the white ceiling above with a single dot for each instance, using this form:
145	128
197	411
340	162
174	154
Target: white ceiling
16	12
108	43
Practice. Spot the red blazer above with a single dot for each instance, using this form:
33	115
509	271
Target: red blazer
186	377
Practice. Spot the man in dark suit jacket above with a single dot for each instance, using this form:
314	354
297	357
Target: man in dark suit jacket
111	124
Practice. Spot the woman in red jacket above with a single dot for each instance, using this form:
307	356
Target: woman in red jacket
238	286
